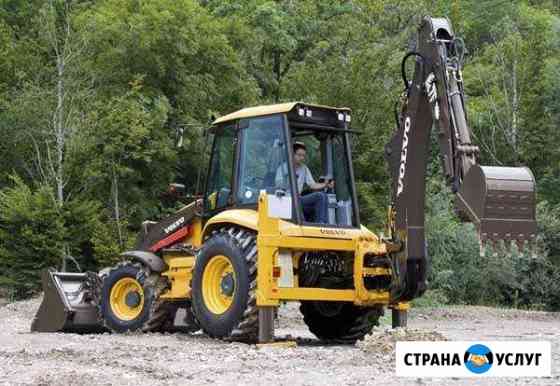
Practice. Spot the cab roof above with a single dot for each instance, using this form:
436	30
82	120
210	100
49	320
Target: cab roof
258	111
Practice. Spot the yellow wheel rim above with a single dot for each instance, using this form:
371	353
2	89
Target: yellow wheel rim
127	298
218	284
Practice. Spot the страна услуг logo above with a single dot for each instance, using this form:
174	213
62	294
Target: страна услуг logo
478	358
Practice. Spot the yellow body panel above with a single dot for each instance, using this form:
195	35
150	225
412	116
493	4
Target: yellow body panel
246	218
275	235
195	236
334	295
404	306
304	243
179	275
377	271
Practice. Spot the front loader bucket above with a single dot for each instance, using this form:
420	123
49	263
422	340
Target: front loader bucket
68	303
500	201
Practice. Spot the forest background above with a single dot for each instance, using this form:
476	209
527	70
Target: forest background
93	94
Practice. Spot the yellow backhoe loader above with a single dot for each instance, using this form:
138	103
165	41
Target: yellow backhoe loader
258	237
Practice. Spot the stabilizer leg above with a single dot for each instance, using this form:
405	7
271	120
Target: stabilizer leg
399	315
266	324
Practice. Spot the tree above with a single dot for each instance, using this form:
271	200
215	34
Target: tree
180	52
509	97
30	227
127	155
62	43
273	36
356	63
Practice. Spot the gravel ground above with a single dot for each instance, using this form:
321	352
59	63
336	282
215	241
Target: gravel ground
179	359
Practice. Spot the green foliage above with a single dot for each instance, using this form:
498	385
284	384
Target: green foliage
499	276
125	144
106	244
432	298
511	84
138	72
32	234
36	234
174	46
172	53
548	217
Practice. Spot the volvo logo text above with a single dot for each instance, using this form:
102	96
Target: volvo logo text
402	168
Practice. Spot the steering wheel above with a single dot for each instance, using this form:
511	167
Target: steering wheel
327	189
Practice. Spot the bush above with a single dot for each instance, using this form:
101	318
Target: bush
501	276
106	246
31	237
432	298
35	233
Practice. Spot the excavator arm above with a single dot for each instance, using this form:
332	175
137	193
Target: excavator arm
500	201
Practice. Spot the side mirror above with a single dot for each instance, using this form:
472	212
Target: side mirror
176	189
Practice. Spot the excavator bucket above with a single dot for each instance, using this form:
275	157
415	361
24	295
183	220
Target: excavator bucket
500	201
69	303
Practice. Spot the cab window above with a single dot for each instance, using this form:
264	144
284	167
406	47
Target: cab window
263	152
218	189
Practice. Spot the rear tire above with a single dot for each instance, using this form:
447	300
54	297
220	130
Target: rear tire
339	322
224	285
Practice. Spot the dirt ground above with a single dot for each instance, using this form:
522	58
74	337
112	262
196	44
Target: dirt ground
178	359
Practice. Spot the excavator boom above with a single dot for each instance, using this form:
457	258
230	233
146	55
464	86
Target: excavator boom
500	201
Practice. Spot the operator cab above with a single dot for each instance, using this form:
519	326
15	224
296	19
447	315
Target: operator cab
253	151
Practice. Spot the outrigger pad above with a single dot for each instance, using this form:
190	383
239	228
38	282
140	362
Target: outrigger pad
68	303
501	202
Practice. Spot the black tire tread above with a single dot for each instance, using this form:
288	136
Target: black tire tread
246	328
353	323
158	313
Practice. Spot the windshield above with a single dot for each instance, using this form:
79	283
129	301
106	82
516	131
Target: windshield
263	151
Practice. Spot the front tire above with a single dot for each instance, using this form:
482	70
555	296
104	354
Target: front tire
224	285
129	299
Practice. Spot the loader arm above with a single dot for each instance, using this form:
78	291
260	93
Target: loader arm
500	201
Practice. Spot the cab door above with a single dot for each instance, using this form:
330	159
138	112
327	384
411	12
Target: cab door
218	192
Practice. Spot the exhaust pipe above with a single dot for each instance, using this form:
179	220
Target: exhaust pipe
69	303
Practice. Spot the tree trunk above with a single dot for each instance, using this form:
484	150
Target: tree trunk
60	135
117	211
515	107
277	74
60	130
